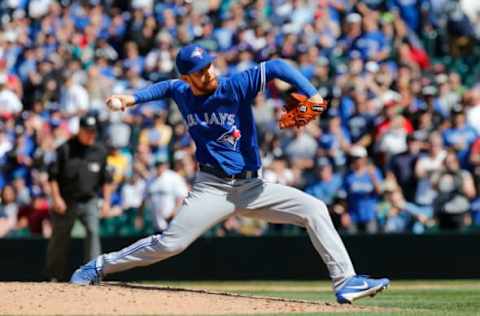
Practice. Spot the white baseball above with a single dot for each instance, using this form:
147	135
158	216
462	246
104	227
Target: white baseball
115	104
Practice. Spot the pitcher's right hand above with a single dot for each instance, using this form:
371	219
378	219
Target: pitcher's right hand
120	102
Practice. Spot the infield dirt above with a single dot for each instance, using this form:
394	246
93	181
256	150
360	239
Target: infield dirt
138	299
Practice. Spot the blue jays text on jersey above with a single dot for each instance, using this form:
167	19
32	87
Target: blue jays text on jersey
210	119
222	124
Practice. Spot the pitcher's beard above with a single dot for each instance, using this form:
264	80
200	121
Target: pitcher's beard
208	88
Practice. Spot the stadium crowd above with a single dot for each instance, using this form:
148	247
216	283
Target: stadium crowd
397	151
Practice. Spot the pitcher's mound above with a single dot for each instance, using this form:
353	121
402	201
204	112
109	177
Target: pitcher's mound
138	299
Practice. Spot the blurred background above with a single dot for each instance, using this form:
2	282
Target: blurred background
397	152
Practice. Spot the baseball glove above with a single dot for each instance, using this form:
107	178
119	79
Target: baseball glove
299	111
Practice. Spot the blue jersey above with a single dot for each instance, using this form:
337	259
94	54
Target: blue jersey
362	198
326	190
369	44
463	138
221	124
409	11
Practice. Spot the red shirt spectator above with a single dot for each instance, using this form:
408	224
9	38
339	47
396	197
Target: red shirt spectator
390	114
36	217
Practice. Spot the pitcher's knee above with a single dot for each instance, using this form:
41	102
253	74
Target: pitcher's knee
321	206
316	211
174	246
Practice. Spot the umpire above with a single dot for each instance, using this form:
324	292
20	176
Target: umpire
75	179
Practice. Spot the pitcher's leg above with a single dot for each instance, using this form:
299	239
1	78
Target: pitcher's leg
201	210
281	204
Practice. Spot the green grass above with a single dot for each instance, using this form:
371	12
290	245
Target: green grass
412	298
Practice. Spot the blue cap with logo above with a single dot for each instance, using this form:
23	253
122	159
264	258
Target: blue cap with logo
193	58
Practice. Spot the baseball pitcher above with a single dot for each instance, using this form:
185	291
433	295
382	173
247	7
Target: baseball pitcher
219	117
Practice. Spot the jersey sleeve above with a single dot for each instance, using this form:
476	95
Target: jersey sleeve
159	90
280	69
248	83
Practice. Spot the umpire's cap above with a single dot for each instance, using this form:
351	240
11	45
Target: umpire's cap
192	58
88	122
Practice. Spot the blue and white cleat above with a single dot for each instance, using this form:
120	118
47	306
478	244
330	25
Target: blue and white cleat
87	274
360	286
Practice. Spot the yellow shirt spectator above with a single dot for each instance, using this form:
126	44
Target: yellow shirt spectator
159	134
120	163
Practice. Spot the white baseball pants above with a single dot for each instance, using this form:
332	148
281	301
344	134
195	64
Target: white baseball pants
214	199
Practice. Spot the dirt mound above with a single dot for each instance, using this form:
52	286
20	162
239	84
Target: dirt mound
138	299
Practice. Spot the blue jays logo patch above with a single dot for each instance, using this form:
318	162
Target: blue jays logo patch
230	137
197	52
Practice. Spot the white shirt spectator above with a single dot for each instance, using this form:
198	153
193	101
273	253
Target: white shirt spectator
393	142
5	144
473	117
263	110
9	102
162	194
132	194
431	164
38	8
302	15
425	192
256	42
8	218
159	58
303	146
146	5
74	99
471	8
286	177
119	134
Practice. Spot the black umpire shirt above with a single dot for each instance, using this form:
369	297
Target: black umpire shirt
79	170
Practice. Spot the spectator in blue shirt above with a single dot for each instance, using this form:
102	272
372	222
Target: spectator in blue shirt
460	136
363	186
404	216
362	122
410	11
327	183
335	142
346	106
372	43
224	35
133	60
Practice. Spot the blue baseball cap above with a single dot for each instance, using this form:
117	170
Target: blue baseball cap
193	58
